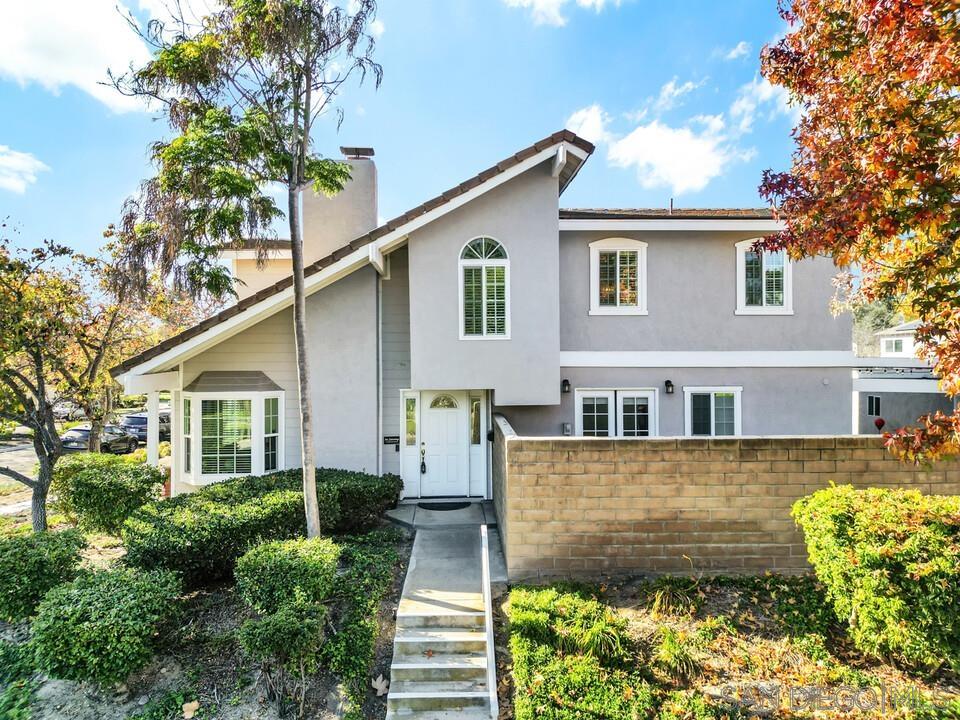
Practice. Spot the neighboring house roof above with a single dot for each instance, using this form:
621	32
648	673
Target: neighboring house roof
567	173
902	328
232	381
665	213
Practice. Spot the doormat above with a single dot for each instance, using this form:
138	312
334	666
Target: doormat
443	506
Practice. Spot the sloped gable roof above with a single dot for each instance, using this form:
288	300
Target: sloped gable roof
566	176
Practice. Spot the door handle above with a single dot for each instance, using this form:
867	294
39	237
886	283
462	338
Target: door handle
423	458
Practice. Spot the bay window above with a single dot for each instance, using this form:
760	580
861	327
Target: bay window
228	434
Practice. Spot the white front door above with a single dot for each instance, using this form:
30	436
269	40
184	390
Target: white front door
444	444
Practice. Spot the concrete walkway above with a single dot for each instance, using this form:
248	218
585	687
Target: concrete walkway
440	650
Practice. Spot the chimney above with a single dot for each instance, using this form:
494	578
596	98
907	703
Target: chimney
332	222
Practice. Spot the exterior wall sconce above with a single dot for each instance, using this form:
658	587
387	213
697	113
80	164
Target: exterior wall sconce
566	428
565	386
668	387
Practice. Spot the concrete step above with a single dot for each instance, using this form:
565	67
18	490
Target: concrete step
450	619
411	641
439	699
466	714
442	667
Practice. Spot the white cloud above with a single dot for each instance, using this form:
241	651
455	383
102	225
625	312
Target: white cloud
376	28
65	42
590	123
756	95
671	93
737	51
684	159
18	169
549	12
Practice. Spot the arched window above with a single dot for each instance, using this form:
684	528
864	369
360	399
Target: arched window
443	402
484	290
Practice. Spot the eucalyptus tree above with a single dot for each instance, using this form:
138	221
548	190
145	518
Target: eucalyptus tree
242	88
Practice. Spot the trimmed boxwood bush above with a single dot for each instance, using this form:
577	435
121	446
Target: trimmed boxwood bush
67	467
890	561
361	499
106	492
31	565
279	572
203	534
103	625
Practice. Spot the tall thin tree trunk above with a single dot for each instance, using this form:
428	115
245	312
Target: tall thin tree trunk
303	367
38	500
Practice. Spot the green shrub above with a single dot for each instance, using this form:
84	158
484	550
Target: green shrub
558	673
66	469
890	562
31	565
360	499
281	571
103	625
290	638
202	534
104	494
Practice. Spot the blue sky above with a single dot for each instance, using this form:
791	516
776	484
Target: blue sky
670	91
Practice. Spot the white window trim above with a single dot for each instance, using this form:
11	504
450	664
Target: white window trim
690	390
742	308
611	408
470	262
612	244
878	408
615	414
256	433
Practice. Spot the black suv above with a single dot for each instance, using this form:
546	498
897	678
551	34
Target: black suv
136	425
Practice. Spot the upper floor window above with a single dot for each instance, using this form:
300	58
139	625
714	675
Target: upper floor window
764	281
484	290
618	277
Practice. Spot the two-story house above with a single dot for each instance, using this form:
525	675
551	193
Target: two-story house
490	298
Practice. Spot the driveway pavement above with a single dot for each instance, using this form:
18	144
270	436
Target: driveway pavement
19	457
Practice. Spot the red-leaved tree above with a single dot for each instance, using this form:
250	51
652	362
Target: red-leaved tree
875	176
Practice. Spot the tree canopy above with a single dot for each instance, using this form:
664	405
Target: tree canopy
875	176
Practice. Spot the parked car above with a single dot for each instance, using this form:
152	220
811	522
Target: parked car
65	410
136	424
113	439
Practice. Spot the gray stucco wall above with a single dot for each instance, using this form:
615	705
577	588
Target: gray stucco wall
901	409
522	214
342	344
775	401
342	340
691	298
395	353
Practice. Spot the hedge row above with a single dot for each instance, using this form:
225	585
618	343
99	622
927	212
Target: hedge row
890	561
202	534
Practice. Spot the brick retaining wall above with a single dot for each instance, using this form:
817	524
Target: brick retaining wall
570	506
